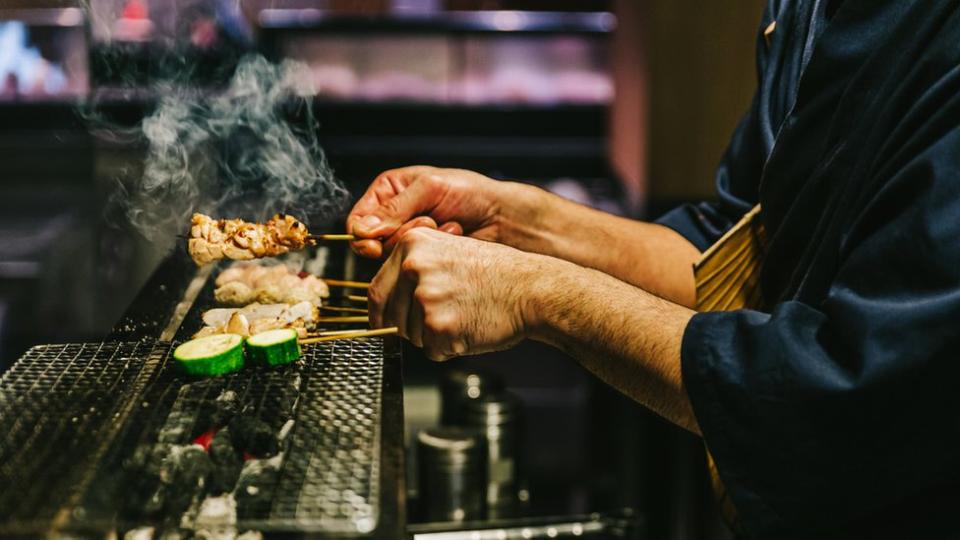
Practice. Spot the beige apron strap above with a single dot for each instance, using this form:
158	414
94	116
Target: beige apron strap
727	278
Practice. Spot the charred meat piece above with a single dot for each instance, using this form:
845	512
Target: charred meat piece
214	239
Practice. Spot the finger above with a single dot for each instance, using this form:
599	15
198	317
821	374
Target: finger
398	305
437	342
372	249
418	198
381	288
415	322
452	227
421	221
384	187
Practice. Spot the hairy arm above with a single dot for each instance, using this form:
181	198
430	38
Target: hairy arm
458	201
455	296
627	337
652	257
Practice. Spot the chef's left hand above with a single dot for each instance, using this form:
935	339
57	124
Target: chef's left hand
454	295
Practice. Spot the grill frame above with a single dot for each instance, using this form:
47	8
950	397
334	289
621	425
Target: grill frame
160	306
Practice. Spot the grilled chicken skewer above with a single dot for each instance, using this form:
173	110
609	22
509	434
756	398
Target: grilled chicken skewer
214	239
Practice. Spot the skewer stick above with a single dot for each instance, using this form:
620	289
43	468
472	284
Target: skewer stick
327	333
350	335
317	237
343	309
343	283
362	319
356	298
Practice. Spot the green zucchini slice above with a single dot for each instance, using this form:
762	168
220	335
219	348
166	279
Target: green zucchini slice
274	347
218	354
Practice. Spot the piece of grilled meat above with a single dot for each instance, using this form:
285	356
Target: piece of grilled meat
214	239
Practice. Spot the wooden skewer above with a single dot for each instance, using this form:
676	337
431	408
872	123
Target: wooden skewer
350	335
315	237
362	319
327	333
356	298
343	309
342	283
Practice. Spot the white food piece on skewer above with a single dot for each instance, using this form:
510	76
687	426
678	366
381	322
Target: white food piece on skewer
238	324
218	316
234	293
244	283
257	318
304	310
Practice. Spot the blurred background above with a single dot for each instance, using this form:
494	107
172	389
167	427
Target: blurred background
625	105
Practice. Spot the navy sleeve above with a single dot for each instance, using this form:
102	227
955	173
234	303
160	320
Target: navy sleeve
819	412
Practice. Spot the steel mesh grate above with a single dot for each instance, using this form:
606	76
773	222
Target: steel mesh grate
56	405
104	419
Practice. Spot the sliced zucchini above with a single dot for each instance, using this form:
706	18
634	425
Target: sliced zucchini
274	347
211	355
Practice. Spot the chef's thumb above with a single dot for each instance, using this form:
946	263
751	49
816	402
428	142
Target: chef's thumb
394	212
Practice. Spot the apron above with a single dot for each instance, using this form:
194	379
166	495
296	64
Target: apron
727	278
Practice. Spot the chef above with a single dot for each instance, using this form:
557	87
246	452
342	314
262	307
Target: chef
831	407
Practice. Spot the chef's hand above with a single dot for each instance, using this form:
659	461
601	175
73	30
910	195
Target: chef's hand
453	295
455	200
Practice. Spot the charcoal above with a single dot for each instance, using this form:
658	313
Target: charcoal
253	436
227	462
254	491
227	405
176	429
184	474
289	396
144	491
216	519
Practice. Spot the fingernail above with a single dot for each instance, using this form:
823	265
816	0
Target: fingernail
369	222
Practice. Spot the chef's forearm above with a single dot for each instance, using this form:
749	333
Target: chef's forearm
646	255
627	337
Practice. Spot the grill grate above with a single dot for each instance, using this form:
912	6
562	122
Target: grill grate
91	429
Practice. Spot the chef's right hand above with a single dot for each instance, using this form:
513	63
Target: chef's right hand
456	201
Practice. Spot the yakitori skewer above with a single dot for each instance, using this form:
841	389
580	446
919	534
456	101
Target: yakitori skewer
214	239
348	284
327	333
331	237
350	335
342	309
343	320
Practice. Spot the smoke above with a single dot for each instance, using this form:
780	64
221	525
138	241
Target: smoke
232	154
228	150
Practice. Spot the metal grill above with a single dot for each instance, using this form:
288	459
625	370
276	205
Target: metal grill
90	426
57	406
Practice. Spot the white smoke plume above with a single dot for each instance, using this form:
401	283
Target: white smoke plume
232	153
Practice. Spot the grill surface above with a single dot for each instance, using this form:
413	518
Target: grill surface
88	427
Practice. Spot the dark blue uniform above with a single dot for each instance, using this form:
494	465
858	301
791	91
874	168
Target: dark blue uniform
836	408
